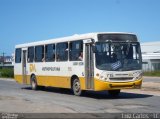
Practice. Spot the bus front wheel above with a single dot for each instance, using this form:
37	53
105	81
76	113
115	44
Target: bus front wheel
76	87
114	93
34	85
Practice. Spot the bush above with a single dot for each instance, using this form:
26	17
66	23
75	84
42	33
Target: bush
7	73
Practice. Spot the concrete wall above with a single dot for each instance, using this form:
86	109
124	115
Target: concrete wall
151	65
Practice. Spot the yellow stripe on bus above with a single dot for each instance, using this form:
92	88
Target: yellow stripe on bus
65	82
55	81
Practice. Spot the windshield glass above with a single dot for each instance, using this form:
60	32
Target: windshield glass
118	56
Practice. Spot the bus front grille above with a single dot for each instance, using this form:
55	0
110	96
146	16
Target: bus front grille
121	86
121	79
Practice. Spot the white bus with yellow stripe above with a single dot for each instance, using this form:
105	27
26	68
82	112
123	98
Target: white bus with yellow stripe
109	61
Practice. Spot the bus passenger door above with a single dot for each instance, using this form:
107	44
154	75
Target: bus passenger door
24	72
89	69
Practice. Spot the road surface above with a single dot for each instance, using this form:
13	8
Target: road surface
21	99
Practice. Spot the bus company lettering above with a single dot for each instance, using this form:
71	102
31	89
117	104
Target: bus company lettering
78	63
32	68
50	68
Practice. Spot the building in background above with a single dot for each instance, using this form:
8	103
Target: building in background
151	56
6	62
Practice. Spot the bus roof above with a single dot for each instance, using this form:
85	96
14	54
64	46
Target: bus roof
69	38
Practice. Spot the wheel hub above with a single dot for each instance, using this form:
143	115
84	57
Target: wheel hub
77	86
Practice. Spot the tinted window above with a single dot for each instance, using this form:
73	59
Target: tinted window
18	55
62	52
39	53
30	54
76	51
50	52
117	37
118	56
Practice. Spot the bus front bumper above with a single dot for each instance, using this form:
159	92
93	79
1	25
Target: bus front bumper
101	85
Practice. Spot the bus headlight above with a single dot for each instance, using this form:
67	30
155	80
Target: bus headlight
105	76
139	75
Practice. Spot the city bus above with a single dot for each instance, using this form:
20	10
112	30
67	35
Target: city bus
102	61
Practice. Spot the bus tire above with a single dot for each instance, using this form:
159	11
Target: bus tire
34	85
114	93
76	87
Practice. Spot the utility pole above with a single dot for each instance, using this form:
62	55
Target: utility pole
3	59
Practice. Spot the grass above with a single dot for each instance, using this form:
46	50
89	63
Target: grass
152	73
7	73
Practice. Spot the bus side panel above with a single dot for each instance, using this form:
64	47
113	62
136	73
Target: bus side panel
18	72
19	79
54	81
58	81
82	83
58	74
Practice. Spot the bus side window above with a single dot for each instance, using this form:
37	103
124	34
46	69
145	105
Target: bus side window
18	55
50	52
62	51
57	57
39	53
76	50
30	54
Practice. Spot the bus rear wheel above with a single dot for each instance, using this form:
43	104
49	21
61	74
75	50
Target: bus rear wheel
76	87
114	93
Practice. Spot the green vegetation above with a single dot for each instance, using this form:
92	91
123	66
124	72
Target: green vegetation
7	73
152	73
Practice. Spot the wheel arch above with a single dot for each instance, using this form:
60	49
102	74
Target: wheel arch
31	76
72	79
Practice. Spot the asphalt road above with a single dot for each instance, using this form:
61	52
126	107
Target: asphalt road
152	79
20	98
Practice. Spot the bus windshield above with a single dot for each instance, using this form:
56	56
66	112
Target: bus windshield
118	56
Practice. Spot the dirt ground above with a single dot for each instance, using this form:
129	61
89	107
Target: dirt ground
150	85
